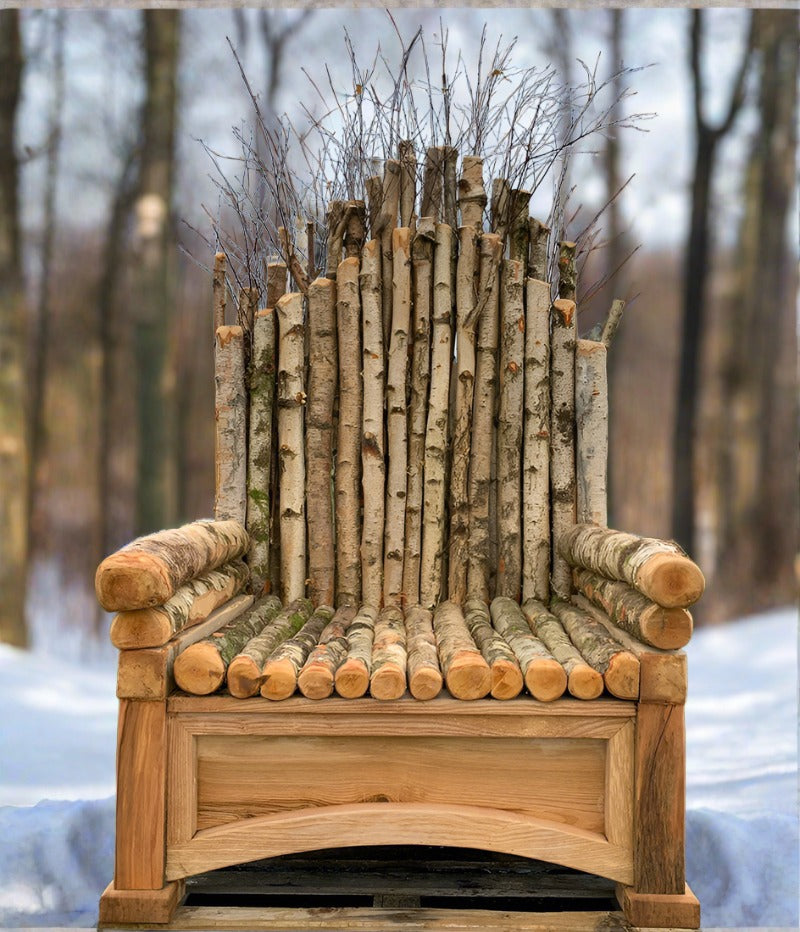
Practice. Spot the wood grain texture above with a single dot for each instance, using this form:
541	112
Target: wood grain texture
141	787
119	907
148	673
559	780
660	799
660	910
400	824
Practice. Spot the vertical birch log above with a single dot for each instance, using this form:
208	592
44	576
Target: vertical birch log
583	682
354	232
422	261
389	211
230	501
396	420
567	273
466	673
450	186
471	193
335	224
301	243
348	447
372	449
544	676
246	670
374	188
219	291
286	661
536	447
276	275
500	208
432	179
562	438
466	303
507	679
317	676
389	658
436	433
291	404
483	412
259	448
408	184
591	422
537	251
424	675
352	677
509	431
322	368
519	233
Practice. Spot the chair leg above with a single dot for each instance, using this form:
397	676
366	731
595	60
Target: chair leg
659	895
145	906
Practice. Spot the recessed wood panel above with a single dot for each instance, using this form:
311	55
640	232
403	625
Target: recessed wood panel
242	776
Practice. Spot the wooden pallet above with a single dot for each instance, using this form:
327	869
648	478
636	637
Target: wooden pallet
398	888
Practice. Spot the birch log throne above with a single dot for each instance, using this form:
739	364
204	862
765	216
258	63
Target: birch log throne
411	459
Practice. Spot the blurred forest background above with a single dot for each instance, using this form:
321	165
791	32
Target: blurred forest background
105	318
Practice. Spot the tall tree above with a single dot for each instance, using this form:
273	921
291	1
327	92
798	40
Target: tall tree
697	261
14	449
154	275
757	466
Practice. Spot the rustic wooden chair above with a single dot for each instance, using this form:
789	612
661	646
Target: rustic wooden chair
405	435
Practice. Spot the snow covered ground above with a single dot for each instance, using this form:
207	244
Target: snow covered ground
57	745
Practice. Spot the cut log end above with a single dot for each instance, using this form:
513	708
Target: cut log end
315	682
545	679
132	580
622	676
425	684
469	677
244	677
280	680
584	682
667	628
389	682
671	580
507	680
199	670
140	628
352	679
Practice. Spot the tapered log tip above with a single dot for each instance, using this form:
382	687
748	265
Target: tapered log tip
199	670
507	680
352	680
321	284
622	676
130	580
315	683
545	679
389	682
426	684
672	580
228	333
244	677
469	677
140	628
667	628
565	309
585	682
280	680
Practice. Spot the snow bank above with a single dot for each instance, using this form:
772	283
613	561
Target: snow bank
58	741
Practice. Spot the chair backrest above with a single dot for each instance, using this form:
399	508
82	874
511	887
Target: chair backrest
412	427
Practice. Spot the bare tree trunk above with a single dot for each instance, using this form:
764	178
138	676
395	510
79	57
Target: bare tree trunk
14	449
697	262
154	283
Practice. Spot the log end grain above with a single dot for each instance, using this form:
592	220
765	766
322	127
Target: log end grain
622	676
667	628
315	682
507	679
244	677
584	682
671	580
426	683
131	580
140	628
388	682
469	677
280	679
352	679
199	670
545	679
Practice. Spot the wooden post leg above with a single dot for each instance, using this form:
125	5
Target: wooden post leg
660	896
139	893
